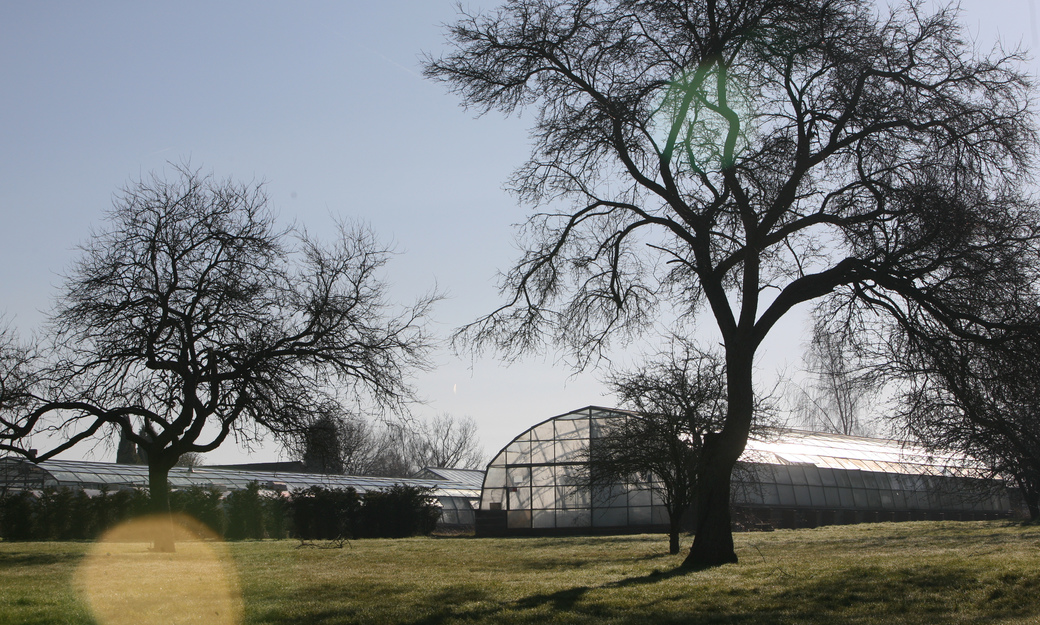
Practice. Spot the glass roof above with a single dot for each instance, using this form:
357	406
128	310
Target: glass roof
784	447
836	451
94	474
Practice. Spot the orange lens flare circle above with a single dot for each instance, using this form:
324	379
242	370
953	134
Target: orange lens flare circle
124	582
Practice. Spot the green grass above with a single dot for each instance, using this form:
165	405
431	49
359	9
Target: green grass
885	573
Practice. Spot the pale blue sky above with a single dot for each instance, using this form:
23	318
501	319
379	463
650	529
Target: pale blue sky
324	101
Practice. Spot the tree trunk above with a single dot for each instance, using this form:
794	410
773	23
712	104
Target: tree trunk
159	499
1032	499
713	541
674	527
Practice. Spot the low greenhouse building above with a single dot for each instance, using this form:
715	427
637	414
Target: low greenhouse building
538	484
456	491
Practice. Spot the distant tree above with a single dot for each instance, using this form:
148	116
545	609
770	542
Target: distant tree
837	394
322	447
446	441
190	459
678	401
192	316
750	156
353	446
126	451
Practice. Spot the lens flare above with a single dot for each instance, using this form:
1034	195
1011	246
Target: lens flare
125	583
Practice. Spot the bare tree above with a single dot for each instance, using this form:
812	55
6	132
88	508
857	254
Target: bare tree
190	459
446	441
391	449
678	399
978	397
746	155
19	377
191	317
837	395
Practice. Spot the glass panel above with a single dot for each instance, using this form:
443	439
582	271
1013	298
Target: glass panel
572	428
786	492
638	497
842	477
859	496
873	499
542	452
572	497
770	496
639	515
856	479
543	497
571	450
845	496
812	476
573	518
828	478
569	474
801	495
520	498
544	432
797	474
870	479
609	517
518	519
542	476
600	425
818	498
519	453
751	494
657	494
543	518
518	476
496	477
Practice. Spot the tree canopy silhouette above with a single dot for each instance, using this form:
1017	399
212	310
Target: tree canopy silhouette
746	156
191	317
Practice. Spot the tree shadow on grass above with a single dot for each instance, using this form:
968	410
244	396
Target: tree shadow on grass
16	560
859	595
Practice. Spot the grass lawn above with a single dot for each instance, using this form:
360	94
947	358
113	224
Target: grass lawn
925	572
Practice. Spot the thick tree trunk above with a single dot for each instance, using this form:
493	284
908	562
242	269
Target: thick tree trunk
713	541
159	499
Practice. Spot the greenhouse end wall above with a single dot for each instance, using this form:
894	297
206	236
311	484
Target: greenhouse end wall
537	484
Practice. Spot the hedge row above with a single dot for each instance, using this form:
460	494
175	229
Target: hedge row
314	513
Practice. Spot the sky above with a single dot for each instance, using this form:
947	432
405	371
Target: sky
325	103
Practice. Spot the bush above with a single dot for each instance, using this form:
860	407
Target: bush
245	513
16	516
320	513
66	514
315	513
398	511
202	503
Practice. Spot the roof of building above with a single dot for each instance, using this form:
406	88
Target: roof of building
19	473
773	446
473	477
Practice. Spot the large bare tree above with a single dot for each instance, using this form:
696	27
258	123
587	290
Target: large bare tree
746	156
191	317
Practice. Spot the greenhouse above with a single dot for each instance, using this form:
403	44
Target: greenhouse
538	483
457	497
